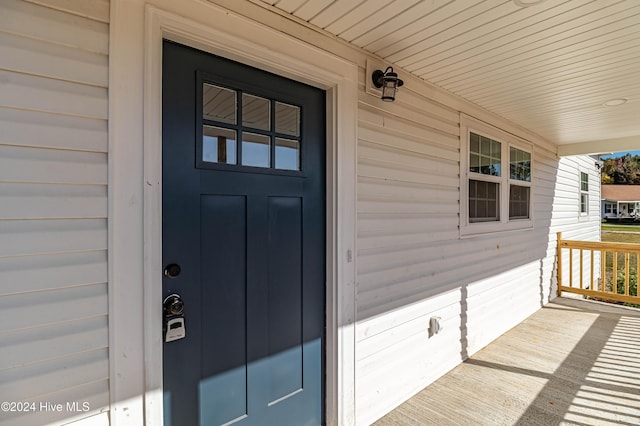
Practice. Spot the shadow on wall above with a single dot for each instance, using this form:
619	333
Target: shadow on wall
491	274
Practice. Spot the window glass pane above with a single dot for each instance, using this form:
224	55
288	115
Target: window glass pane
218	145
519	165
584	203
484	155
287	119
256	112
584	181
255	150
218	104
287	154
519	202
484	201
474	163
474	143
485	146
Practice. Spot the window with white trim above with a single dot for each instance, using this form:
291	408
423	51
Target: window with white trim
584	193
611	209
495	179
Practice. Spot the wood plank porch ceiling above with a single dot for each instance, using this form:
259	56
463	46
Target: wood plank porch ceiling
549	67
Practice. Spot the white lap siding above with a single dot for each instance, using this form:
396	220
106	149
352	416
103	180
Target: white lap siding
53	210
413	265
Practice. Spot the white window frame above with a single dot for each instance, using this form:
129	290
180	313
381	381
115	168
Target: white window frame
613	208
583	193
468	125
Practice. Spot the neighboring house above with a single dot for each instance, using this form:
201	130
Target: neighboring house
620	202
312	231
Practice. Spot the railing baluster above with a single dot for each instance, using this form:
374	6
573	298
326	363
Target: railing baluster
626	274
570	267
559	251
592	266
581	269
614	280
603	266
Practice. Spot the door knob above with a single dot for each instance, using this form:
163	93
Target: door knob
173	305
173	308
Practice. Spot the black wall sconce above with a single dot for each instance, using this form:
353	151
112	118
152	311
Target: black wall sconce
388	81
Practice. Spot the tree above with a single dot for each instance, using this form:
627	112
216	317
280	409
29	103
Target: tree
623	170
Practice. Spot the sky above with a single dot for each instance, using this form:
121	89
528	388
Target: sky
619	154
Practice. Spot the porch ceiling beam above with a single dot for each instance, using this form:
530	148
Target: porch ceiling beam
604	146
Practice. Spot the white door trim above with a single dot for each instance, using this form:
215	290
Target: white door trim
211	28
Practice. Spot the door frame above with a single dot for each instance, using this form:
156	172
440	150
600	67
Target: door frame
246	41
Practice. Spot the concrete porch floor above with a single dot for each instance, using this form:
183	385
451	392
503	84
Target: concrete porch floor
573	362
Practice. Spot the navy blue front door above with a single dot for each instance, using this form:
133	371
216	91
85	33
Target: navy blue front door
244	221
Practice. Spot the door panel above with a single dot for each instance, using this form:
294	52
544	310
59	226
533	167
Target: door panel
243	216
223	220
285	296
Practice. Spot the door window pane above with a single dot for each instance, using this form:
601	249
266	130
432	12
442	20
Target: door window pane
256	150
219	104
218	145
484	201
287	154
287	119
256	112
519	202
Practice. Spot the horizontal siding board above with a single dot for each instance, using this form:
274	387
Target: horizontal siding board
36	165
379	325
97	10
414	144
404	224
395	208
54	336
33	128
410	113
395	158
371	189
54	376
33	345
46	272
49	95
40	201
374	119
383	170
35	21
423	234
47	307
39	57
95	394
28	237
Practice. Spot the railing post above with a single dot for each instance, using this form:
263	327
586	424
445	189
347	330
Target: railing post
559	277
